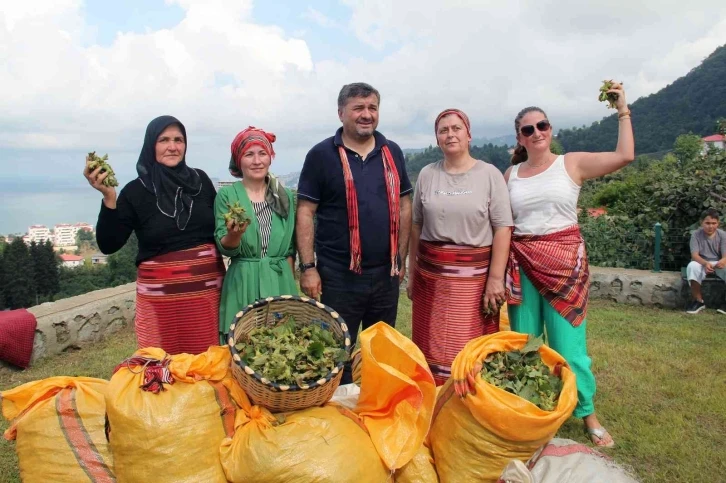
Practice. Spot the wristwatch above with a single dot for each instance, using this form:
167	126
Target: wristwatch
305	266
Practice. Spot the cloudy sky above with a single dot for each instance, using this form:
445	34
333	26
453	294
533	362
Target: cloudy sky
78	76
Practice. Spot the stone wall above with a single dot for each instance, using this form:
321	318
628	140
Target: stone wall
641	287
65	324
90	317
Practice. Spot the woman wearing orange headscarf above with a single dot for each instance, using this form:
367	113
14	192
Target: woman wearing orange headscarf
261	249
459	246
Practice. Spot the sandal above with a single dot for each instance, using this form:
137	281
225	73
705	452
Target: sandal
597	436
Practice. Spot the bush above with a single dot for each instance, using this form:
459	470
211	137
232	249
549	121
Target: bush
670	191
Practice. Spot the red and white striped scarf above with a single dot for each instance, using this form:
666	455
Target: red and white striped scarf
556	264
393	188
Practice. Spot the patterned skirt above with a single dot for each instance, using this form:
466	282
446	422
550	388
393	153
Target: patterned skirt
449	282
177	300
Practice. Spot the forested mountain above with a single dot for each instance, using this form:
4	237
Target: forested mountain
692	103
496	155
503	140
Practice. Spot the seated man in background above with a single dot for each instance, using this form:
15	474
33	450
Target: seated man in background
708	255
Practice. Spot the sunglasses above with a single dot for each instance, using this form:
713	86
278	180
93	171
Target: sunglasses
542	126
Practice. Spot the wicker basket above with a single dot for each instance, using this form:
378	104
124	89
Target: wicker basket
280	397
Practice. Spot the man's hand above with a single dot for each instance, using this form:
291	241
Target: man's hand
402	271
721	264
310	283
708	267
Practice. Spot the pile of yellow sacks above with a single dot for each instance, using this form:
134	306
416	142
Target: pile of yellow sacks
184	418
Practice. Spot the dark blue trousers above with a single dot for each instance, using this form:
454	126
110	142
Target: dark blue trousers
360	299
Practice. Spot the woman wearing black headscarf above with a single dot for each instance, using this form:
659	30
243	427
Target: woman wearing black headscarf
170	206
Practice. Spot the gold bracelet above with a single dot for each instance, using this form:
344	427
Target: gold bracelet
622	118
623	114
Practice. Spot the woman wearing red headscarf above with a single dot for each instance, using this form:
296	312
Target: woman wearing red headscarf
459	246
262	249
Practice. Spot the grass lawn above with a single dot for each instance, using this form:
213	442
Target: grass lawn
661	388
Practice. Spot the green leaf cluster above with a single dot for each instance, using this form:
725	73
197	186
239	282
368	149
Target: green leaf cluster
288	353
236	213
523	373
606	96
110	180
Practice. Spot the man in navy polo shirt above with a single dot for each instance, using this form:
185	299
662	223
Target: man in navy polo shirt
356	186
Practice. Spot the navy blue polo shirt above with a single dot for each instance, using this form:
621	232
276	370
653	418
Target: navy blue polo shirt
321	181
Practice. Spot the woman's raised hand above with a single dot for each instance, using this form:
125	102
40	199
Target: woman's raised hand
95	178
621	104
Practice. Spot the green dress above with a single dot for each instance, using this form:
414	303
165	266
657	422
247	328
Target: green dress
250	276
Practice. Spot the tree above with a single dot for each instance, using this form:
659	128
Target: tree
122	264
3	243
19	285
45	270
80	280
496	155
721	126
687	147
667	191
85	238
38	271
51	266
556	147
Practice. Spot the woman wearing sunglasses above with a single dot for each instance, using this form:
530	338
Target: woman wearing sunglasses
548	275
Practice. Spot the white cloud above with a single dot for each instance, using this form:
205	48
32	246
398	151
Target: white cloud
60	94
219	71
320	18
493	58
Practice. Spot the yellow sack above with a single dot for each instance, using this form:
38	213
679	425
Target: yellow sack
421	469
504	318
397	394
173	435
473	438
323	444
58	425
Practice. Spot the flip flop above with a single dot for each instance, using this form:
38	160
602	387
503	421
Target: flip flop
597	435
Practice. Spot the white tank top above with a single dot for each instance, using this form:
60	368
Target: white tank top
543	203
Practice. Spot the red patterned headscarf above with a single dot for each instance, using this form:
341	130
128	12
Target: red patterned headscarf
243	141
457	112
275	194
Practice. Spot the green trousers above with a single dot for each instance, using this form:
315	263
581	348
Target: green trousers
536	315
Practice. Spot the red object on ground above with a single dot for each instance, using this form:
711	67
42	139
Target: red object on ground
17	331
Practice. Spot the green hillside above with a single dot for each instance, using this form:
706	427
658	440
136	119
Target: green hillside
496	155
692	103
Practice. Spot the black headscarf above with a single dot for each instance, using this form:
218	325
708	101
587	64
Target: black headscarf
174	188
